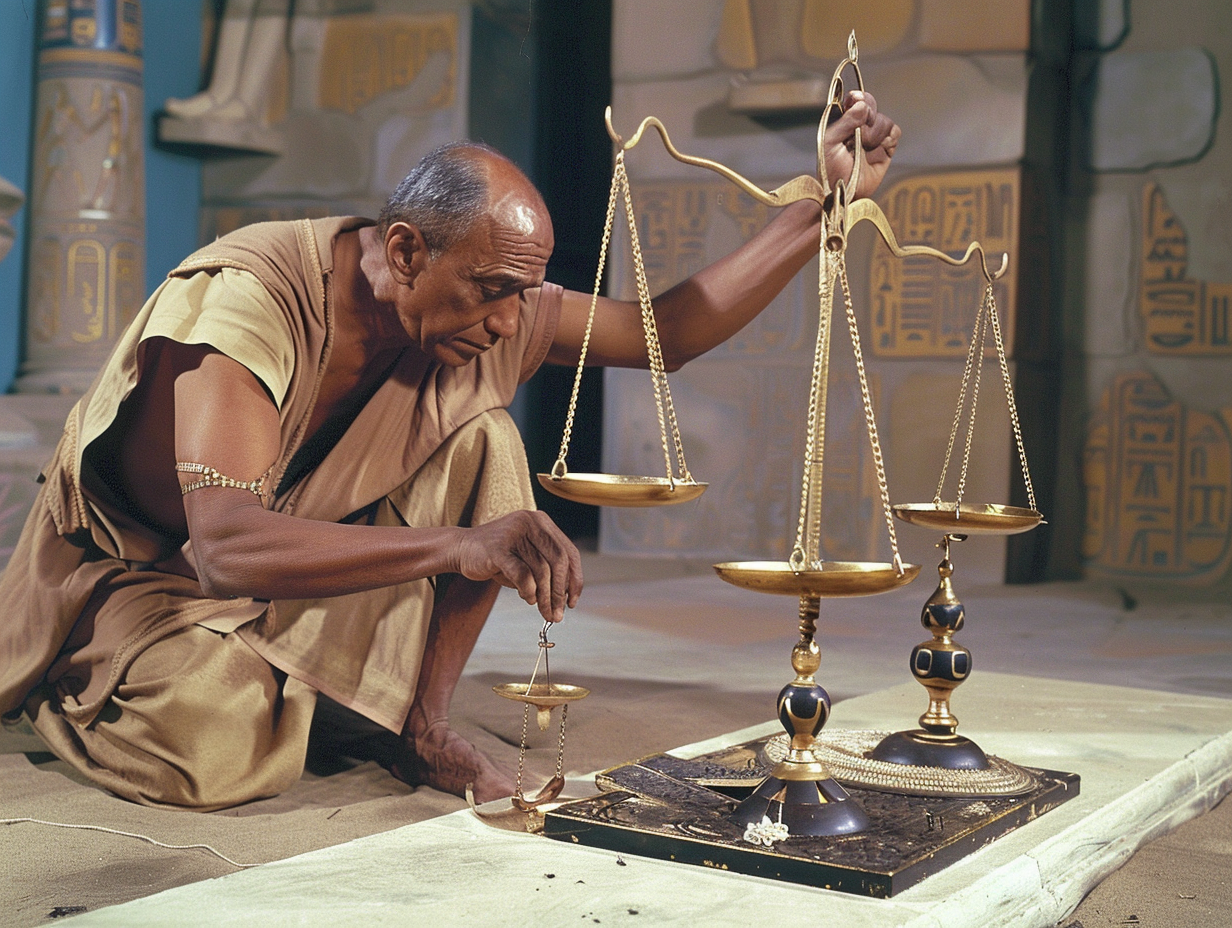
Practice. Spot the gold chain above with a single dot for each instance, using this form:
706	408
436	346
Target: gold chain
559	469
869	420
522	749
658	376
664	408
986	317
981	336
975	347
805	553
807	550
560	748
1009	399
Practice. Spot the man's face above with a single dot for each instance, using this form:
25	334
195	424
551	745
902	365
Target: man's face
469	297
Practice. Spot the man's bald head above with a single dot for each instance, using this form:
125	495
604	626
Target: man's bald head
452	189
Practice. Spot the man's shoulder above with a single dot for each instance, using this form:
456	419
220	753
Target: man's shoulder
263	246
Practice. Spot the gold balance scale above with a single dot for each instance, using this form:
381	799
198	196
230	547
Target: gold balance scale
800	796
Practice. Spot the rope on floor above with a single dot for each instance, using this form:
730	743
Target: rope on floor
129	834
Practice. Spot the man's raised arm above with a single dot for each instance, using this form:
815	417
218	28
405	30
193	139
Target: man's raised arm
718	301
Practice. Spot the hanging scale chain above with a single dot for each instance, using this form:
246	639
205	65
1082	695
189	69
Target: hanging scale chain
986	318
543	659
806	553
663	398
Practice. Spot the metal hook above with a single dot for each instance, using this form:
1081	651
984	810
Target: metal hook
944	543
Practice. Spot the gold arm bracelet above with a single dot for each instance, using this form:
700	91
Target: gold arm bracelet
212	478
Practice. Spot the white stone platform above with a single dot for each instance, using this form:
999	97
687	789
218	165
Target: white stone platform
1148	762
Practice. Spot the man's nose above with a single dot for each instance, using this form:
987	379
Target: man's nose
503	320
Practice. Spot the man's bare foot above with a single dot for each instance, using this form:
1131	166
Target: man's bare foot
444	760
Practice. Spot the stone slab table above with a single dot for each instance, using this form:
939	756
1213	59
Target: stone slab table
1148	762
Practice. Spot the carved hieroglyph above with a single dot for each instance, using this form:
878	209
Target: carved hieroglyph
366	56
1181	316
924	308
1158	481
87	197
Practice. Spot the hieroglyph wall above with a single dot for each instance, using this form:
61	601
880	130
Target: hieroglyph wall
1156	471
370	88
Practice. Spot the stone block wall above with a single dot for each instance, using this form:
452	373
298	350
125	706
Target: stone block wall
367	88
958	85
1147	338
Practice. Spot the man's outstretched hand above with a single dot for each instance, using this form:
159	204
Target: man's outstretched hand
879	137
525	551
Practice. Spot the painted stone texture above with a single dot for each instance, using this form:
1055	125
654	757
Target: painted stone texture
370	94
1158	483
653	40
1131	92
1181	316
366	57
919	92
962	26
10	202
805	35
1110	296
86	263
921	306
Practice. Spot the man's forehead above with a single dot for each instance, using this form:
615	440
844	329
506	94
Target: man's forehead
520	212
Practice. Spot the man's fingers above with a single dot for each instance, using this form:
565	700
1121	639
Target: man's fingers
526	551
551	559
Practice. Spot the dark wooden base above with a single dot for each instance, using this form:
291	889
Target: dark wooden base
679	810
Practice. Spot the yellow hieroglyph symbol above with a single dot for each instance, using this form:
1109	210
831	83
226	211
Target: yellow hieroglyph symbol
922	307
1181	316
366	56
1158	481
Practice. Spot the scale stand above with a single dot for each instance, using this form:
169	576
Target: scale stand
799	824
940	665
800	797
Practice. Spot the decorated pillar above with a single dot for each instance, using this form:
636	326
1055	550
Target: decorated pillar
87	192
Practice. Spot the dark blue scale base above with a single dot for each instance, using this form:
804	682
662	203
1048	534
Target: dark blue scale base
918	748
806	807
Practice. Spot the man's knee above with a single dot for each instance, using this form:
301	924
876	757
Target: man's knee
199	721
478	474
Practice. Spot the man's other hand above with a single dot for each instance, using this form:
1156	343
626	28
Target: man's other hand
525	551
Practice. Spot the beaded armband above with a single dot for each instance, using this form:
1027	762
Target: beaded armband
212	478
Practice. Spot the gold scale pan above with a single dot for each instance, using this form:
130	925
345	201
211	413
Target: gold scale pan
941	664
678	486
959	517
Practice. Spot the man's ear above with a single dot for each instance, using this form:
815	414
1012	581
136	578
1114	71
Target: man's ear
406	252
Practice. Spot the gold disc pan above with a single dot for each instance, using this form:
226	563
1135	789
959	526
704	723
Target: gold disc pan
970	518
834	578
621	490
543	695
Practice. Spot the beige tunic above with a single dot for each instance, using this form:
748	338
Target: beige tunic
262	296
